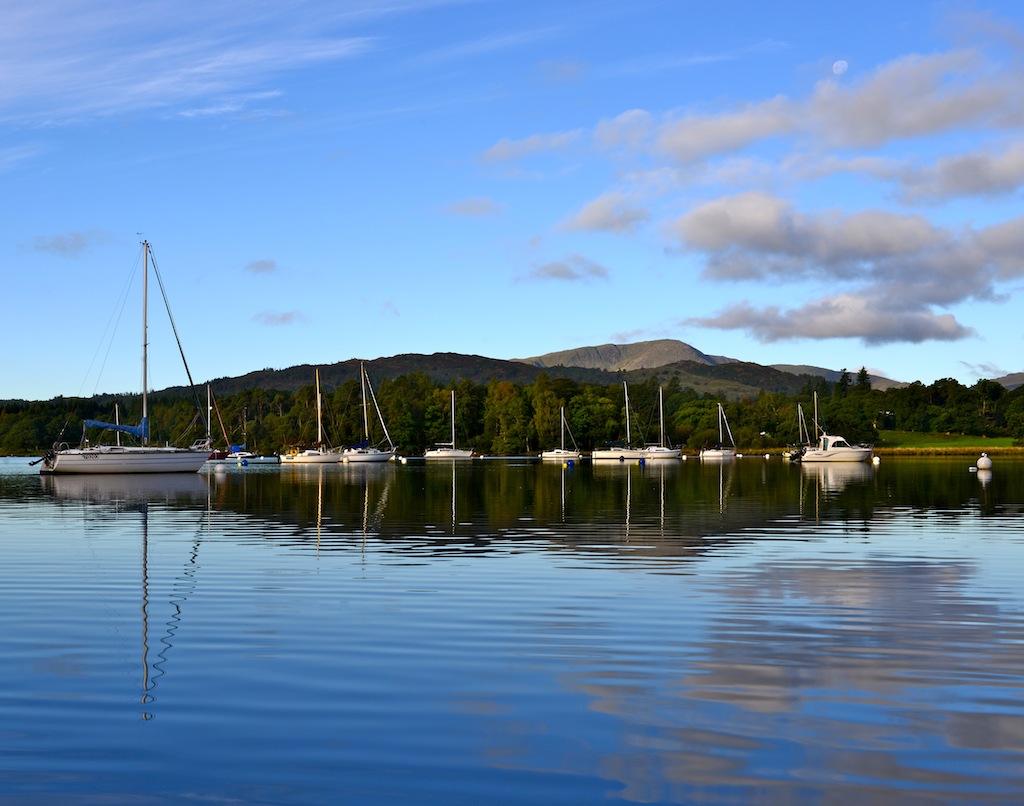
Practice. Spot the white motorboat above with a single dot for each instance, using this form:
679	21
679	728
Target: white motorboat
832	447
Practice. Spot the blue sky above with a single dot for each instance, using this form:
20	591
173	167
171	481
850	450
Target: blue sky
827	184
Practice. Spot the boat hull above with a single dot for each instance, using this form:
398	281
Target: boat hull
812	455
560	455
448	453
659	452
311	457
366	455
116	459
718	454
616	454
245	460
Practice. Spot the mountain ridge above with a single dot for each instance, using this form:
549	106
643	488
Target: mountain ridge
718	375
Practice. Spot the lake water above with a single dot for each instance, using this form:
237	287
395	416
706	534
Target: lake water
508	632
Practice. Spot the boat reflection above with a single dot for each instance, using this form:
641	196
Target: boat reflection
834	477
127	487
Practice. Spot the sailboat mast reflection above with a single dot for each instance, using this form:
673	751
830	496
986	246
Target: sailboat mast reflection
146	696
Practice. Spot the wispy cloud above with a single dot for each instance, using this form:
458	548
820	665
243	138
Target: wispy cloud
573	268
611	212
71	244
261	266
476	206
71	60
279	319
506	149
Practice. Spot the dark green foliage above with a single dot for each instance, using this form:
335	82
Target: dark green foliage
517	410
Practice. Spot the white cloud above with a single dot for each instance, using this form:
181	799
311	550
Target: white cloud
280	318
506	149
475	206
261	266
72	244
693	137
612	212
574	268
845	316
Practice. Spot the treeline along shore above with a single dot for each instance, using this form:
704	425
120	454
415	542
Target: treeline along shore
504	417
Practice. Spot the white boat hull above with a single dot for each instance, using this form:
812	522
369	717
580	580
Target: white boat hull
718	453
560	454
311	457
448	453
660	452
616	454
117	459
245	459
366	455
834	448
850	454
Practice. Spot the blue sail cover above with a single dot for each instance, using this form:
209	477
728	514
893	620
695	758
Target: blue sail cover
141	430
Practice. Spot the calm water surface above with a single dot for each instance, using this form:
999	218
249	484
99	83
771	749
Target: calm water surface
510	632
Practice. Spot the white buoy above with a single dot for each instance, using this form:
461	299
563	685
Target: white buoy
984	462
875	460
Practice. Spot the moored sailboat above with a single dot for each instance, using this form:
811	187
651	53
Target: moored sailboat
722	450
319	453
562	453
366	452
141	458
447	450
620	452
660	450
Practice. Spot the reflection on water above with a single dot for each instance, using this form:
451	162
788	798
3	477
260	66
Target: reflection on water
515	632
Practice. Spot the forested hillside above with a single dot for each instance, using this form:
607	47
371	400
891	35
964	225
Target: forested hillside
501	416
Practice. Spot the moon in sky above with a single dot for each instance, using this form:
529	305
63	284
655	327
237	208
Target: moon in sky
839	67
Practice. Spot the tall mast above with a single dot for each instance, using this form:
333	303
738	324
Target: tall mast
453	418
145	336
661	415
625	390
366	419
319	413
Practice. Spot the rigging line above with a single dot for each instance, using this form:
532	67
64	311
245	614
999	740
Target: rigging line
181	350
115	318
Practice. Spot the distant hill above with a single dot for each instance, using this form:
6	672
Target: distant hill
832	375
1011	381
613	357
720	376
729	379
662	352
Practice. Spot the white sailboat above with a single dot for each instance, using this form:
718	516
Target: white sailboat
619	453
367	452
562	453
447	450
721	450
318	454
660	450
832	447
117	458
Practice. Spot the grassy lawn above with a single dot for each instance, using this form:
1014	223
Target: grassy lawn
940	442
